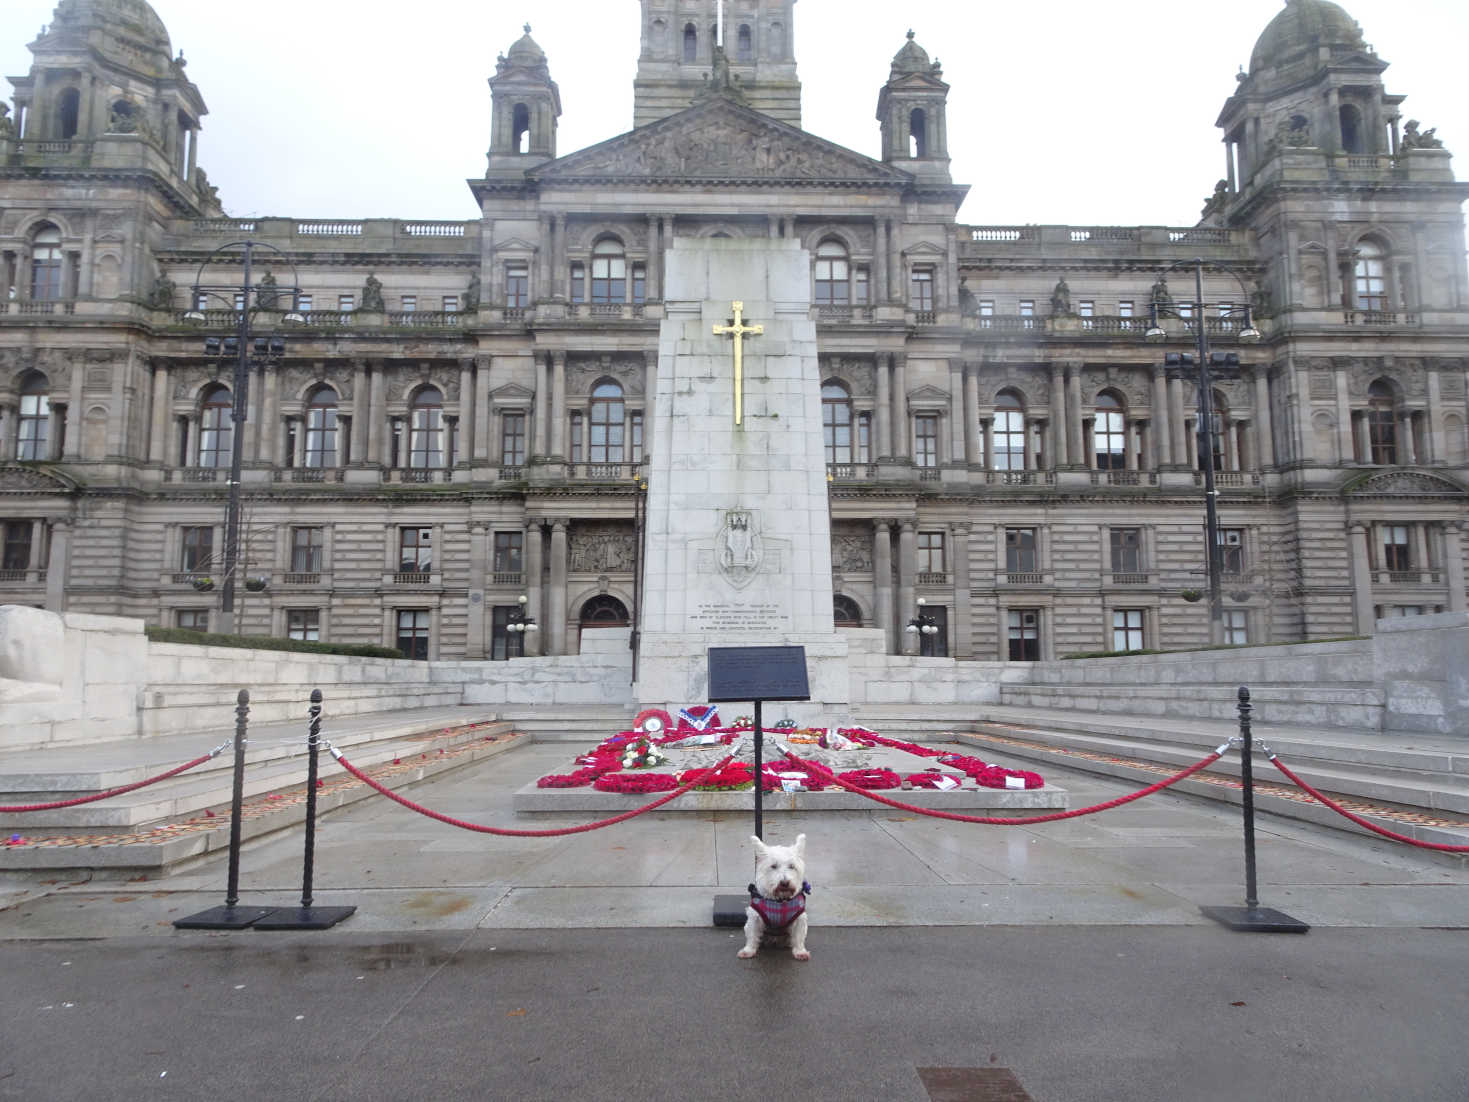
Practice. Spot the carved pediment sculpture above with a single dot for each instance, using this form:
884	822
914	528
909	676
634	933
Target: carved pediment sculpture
1403	483
18	479
719	139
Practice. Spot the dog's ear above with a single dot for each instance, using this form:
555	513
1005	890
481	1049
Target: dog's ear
761	849
801	846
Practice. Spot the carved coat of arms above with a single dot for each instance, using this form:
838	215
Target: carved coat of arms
738	549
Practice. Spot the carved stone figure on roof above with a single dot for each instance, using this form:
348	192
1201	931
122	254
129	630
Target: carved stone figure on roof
968	304
1414	140
207	191
266	294
372	295
161	296
1161	297
472	293
7	128
1061	299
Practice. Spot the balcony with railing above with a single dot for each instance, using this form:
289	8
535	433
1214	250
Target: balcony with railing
1381	317
850	472
302	577
409	476
44	308
1124	478
990	241
1021	577
933	577
1127	577
602	472
512	579
1408	577
413	578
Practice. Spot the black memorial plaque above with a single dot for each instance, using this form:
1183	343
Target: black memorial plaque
757	673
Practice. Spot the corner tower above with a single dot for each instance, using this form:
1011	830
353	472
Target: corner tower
911	109
524	106
677	57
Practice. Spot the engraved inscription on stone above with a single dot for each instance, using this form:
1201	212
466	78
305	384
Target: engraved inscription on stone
724	617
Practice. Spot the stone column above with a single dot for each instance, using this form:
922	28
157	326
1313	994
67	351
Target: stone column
883	445
1162	442
466	412
361	413
1131	443
270	421
988	458
1231	451
481	410
1453	563
1061	452
479	539
534	602
895	265
56	567
540	441
1417	548
972	442
1264	422
1344	420
377	417
544	263
556	602
298	444
1177	425
158	427
558	404
1361	581
962	622
1407	446
1075	444
1435	438
655	262
907	579
879	260
882	580
902	431
559	273
961	430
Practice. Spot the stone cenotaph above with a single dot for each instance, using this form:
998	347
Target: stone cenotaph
737	546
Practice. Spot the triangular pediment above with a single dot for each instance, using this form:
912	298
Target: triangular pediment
511	393
915	82
924	248
720	140
513	244
928	396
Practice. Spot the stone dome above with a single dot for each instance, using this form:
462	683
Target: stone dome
526	51
1305	25
912	58
134	19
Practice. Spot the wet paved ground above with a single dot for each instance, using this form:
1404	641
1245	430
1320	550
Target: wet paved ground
1071	953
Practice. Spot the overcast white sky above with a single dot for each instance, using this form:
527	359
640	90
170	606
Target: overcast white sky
1070	111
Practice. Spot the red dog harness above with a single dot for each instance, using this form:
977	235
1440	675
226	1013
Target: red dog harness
777	914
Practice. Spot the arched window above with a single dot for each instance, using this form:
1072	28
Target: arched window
1370	275
609	271
603	611
46	265
918	132
690	43
1382	439
604	442
520	128
321	428
845	613
34	430
833	274
426	430
216	427
836	421
1110	433
1351	129
68	113
745	44
1009	432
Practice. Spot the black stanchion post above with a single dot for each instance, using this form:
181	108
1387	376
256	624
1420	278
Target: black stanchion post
230	916
1251	918
759	775
307	917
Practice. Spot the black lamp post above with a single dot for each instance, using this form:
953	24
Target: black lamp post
1217	364
517	623
244	351
640	494
925	627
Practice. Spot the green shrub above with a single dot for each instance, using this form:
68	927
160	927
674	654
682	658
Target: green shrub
265	642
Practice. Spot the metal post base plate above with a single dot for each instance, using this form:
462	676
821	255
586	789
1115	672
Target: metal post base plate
304	918
223	918
1257	920
729	910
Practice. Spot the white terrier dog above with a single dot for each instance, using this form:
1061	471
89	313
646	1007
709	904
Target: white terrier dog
778	898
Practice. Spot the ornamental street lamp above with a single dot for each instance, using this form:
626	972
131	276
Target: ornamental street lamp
1224	365
924	627
517	623
244	298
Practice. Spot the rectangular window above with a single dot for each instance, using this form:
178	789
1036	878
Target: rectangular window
504	643
517	284
1127	550
191	619
512	440
509	552
930	552
17	552
986	307
304	624
413	633
303	303
578	282
1396	554
926	440
197	547
1231	551
409	304
864	438
1124	308
415	550
577	437
860	291
1027	312
1021	555
1025	634
635	428
239	300
346	303
451	304
1236	626
921	290
1185	309
640	283
307	548
1127	629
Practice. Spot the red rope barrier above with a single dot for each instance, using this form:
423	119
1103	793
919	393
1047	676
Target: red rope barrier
1361	822
996	820
110	792
482	829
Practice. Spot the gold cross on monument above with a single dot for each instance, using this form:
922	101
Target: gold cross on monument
739	330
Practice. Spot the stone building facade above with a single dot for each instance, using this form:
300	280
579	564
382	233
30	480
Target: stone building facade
458	419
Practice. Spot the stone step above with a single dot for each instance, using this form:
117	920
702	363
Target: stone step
176	707
1352	707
